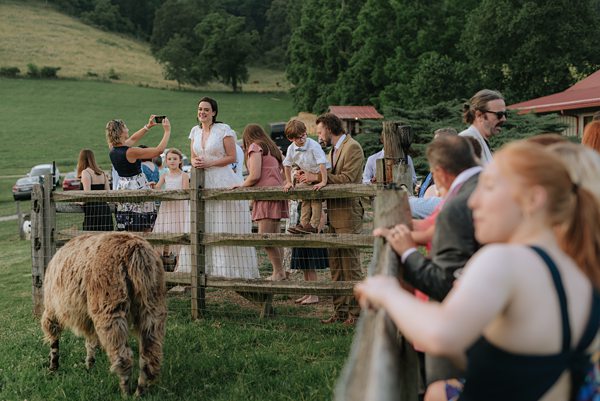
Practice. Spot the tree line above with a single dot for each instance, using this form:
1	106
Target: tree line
407	54
388	53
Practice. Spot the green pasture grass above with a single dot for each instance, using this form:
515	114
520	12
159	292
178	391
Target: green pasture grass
45	121
228	355
34	32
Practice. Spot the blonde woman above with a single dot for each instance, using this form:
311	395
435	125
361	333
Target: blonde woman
127	159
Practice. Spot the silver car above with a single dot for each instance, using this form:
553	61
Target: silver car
23	187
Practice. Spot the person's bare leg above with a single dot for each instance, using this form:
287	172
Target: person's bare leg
274	254
310	275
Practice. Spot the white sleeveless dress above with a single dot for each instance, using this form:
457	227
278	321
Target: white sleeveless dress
174	217
224	216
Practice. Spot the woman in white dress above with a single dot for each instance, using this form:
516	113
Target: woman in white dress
213	149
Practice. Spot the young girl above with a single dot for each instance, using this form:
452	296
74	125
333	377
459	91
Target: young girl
174	216
263	160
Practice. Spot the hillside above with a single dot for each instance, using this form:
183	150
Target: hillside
33	32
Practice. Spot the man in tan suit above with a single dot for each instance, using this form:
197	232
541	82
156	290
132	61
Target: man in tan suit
345	215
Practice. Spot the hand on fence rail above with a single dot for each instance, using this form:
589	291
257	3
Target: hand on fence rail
399	237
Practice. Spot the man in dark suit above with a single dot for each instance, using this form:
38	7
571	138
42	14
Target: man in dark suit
345	215
456	172
454	169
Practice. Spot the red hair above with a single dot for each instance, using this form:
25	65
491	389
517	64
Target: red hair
591	135
569	205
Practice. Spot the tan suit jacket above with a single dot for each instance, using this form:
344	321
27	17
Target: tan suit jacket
346	168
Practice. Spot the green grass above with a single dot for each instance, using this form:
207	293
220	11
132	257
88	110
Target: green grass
229	355
54	120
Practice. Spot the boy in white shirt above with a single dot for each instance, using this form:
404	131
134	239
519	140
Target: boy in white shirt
304	154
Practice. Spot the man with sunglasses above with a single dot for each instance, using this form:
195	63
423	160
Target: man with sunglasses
486	114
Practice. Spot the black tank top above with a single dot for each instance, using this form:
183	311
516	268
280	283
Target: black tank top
494	374
121	164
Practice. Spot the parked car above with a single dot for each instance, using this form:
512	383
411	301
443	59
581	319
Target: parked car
23	187
71	182
277	132
187	165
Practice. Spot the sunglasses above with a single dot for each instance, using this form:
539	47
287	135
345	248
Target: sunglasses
499	114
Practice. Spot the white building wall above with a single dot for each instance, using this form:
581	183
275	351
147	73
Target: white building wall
571	122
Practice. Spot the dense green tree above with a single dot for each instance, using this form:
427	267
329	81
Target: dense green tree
226	46
319	50
140	13
106	15
276	36
373	42
74	7
176	56
532	48
177	17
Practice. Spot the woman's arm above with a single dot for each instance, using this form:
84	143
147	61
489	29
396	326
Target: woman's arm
422	237
134	154
483	292
133	139
86	180
254	164
160	182
230	155
106	183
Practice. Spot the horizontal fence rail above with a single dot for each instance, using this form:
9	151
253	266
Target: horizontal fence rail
274	240
338	191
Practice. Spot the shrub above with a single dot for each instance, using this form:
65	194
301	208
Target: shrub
49	72
33	71
91	74
9	72
112	74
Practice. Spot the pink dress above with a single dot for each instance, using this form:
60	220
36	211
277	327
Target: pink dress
270	176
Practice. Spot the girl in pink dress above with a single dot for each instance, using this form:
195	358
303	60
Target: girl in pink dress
264	164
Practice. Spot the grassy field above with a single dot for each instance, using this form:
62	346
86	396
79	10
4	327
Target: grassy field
229	355
34	32
45	121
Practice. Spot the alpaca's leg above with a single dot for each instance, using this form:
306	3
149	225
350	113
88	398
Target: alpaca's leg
151	331
113	335
91	344
52	329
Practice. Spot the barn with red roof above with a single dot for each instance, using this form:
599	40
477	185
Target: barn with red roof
576	105
352	116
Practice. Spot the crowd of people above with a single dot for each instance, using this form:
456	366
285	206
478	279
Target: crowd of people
512	271
504	298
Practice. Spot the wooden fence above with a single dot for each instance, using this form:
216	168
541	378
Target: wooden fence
381	366
46	238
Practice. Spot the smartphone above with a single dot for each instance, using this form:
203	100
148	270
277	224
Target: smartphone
159	119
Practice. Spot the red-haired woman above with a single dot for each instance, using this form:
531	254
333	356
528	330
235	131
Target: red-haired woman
527	307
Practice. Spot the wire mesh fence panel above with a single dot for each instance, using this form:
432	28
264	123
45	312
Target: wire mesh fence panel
236	257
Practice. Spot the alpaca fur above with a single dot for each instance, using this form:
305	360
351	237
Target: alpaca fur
27	229
99	285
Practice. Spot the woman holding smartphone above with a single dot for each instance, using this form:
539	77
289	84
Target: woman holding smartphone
127	160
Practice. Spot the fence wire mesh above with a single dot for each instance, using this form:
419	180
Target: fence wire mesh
237	255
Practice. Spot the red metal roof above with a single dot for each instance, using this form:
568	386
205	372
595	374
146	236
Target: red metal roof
355	112
584	94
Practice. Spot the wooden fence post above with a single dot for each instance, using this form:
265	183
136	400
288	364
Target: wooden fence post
382	365
43	244
197	228
397	138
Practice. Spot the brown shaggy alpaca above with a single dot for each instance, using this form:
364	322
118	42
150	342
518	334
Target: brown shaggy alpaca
99	285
